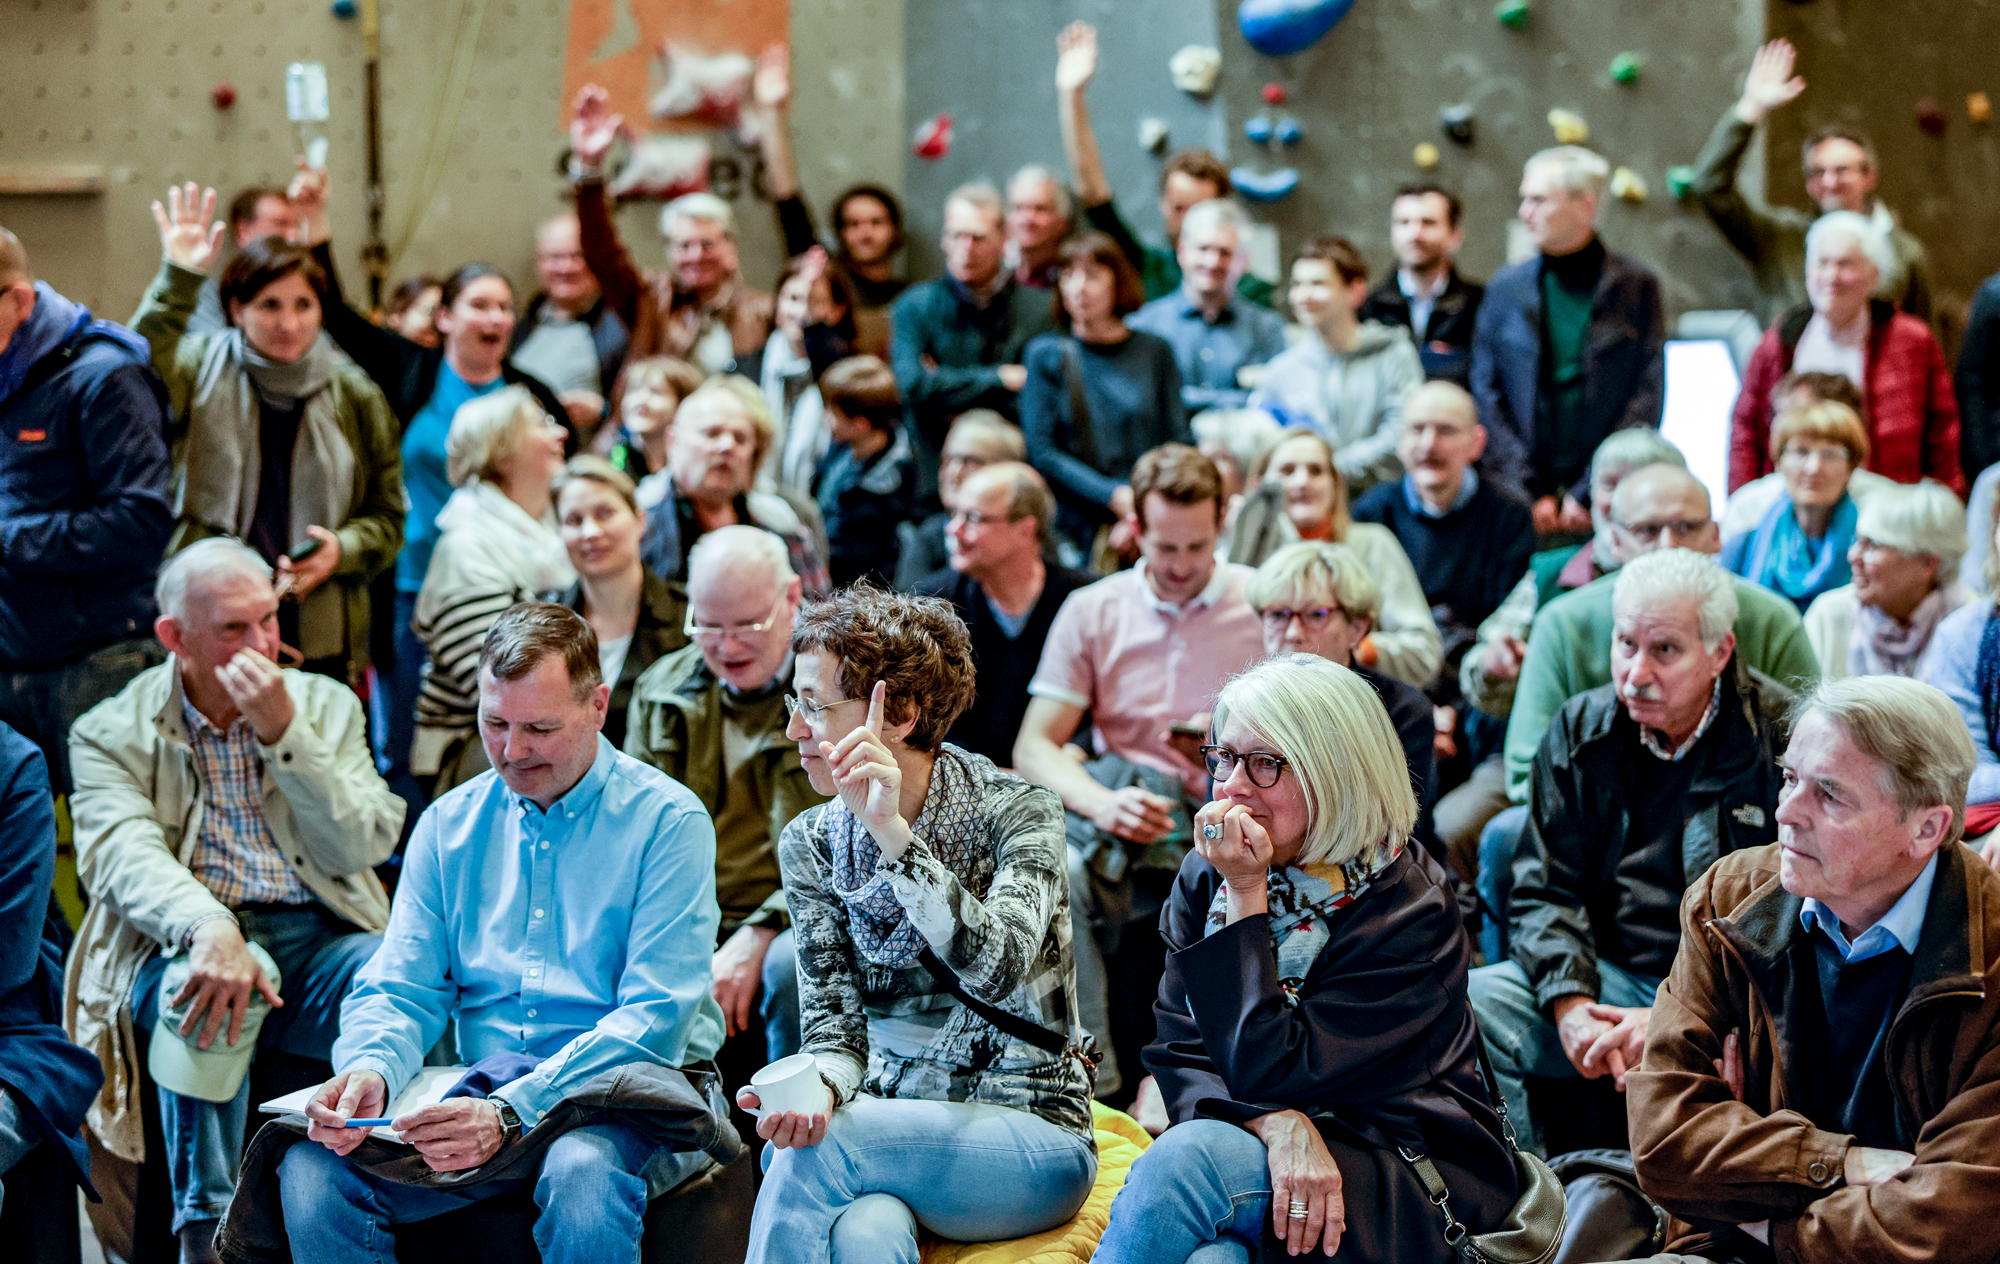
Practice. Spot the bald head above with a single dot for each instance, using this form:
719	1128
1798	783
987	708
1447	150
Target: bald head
1438	439
1659	507
13	260
742	600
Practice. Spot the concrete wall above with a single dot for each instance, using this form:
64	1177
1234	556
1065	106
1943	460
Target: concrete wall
124	83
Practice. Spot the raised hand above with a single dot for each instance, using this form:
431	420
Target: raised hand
1770	82
308	196
593	127
1076	57
190	235
771	85
870	780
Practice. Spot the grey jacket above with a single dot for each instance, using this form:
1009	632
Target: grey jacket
1355	399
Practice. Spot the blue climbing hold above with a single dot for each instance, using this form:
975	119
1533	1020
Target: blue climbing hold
1289	132
1258	129
1265	186
1280	27
344	9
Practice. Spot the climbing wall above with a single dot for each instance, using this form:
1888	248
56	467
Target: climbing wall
1364	97
115	95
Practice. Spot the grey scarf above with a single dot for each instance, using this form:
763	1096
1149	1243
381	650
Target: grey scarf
221	465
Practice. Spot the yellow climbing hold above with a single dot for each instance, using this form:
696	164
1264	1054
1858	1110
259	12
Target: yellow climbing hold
1569	127
1628	185
1426	155
1979	108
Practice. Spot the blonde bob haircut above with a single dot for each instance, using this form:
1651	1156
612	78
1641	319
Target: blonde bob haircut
1333	731
486	431
1314	569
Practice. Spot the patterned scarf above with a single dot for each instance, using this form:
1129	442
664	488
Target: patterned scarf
1303	900
1880	646
952	825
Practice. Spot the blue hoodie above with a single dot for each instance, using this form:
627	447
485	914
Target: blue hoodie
85	505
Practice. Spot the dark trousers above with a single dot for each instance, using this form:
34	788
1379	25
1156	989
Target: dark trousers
42	705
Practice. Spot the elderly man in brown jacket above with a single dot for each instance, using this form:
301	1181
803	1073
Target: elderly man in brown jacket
1822	1072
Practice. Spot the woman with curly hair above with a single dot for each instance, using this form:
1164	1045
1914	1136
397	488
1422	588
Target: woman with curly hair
936	991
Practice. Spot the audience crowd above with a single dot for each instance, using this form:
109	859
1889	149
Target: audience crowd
854	735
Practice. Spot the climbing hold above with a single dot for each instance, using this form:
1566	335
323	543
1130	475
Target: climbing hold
1265	186
1680	182
1426	155
1279	27
1457	120
1930	116
1194	69
1628	185
1625	68
1273	93
1513	14
1569	127
933	137
345	9
1289	132
1258	130
1978	108
222	95
1153	135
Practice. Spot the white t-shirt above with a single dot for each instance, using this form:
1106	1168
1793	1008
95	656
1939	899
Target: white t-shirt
611	657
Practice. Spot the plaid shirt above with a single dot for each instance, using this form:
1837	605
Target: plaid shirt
235	856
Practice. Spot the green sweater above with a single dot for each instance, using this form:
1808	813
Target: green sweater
1569	651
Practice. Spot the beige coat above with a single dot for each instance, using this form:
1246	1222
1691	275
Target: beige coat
137	808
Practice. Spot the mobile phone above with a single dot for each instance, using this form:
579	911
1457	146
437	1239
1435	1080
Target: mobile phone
301	552
1181	728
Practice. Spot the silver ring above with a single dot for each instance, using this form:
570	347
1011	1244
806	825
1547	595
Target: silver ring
1211	831
1298	1211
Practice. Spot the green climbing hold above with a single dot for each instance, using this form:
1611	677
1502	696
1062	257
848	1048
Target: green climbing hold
1625	68
1512	13
1680	181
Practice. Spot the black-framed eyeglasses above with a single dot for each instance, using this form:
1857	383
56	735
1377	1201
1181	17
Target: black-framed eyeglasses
1263	766
1277	618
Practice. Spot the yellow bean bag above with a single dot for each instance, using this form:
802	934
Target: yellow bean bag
1120	1142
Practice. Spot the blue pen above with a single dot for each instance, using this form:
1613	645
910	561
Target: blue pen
369	1123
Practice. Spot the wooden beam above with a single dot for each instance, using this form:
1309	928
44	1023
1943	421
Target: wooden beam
51	179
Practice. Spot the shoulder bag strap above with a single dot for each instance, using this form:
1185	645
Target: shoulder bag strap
1012	1024
1083	441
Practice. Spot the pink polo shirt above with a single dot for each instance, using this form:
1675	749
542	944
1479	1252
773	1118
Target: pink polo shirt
1139	663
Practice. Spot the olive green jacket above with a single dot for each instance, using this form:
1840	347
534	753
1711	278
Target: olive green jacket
373	532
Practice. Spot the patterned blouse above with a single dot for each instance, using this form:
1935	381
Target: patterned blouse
896	1033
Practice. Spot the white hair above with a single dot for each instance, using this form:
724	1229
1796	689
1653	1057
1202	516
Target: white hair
1917	518
217	555
729	546
1632	448
697	206
1065	196
980	196
1215	212
1670	575
1856	229
1577	169
487	429
1249	434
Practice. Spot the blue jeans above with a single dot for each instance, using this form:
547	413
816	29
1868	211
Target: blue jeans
591	1191
1496	876
778	1003
1201	1194
42	705
1520	1039
965	1171
17	1136
205	1139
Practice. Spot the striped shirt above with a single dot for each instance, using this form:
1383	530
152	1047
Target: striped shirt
235	855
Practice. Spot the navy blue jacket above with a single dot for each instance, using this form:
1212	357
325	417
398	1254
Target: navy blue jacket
85	509
1624	366
53	1079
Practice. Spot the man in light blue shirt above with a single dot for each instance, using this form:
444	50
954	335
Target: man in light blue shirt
1215	332
560	908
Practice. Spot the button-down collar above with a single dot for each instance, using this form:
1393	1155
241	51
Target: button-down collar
1208	596
579	797
1468	486
1900	927
1659	749
1192	310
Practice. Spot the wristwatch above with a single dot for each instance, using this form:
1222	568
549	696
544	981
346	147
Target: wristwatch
510	1122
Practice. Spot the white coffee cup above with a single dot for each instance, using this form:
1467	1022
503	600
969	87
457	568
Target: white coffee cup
790	1086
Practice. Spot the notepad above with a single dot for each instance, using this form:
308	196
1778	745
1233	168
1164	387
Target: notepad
426	1087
